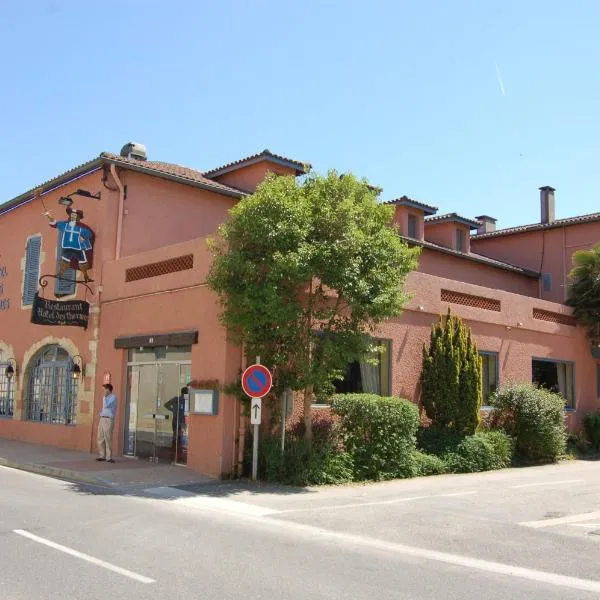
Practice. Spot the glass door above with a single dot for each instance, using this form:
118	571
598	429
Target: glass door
140	430
157	418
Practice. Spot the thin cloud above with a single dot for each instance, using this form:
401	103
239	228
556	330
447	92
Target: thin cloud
500	82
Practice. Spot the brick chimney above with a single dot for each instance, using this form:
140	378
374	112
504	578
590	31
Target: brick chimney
487	224
547	205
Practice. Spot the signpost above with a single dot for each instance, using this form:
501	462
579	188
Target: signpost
256	383
255	411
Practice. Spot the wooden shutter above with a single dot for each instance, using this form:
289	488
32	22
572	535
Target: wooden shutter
32	269
66	285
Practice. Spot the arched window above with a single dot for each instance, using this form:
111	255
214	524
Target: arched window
51	390
7	390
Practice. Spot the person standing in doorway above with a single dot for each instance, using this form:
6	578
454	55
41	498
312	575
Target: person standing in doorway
107	424
177	407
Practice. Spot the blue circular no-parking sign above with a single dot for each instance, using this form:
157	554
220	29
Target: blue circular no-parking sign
257	381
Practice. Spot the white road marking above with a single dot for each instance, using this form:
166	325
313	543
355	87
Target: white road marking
456	494
86	557
588	525
562	520
225	505
374	503
467	562
564	482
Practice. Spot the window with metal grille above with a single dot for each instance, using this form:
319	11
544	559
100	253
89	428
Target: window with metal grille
6	392
32	269
51	390
412	226
489	375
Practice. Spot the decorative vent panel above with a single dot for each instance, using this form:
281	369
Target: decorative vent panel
470	300
164	267
552	317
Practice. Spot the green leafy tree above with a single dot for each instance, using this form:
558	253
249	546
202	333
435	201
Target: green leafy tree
584	293
451	376
304	270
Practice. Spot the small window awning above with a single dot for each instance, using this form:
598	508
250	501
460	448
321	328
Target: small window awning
152	340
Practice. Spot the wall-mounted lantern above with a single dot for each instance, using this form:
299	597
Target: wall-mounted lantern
77	368
11	369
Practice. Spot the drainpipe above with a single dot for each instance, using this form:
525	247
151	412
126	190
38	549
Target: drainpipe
113	172
242	426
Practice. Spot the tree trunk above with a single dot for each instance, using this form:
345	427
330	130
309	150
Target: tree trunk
308	398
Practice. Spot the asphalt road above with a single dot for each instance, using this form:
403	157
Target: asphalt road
519	534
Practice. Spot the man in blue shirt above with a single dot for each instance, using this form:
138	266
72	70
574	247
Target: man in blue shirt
106	424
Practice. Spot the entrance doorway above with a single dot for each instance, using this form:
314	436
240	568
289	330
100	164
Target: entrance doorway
157	411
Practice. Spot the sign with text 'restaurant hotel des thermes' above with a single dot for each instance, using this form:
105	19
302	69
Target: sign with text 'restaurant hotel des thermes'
53	312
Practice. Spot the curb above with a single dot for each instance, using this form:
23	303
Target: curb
56	472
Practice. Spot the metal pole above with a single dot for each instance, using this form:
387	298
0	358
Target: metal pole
255	444
283	409
255	454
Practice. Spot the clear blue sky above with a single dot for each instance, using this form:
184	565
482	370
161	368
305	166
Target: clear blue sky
405	93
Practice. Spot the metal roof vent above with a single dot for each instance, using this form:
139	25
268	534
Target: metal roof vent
135	151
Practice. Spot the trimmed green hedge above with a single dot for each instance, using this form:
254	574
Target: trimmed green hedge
379	433
484	451
534	417
300	466
591	422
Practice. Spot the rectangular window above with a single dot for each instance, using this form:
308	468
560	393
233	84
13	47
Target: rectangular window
65	283
32	269
489	375
368	378
460	240
556	376
547	281
412	226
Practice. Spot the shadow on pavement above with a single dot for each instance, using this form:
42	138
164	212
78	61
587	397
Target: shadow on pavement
210	489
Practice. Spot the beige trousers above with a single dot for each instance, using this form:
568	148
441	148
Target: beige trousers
105	432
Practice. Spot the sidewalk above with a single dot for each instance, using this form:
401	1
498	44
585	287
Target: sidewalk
82	467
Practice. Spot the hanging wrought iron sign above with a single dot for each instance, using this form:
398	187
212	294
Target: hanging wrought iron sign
76	244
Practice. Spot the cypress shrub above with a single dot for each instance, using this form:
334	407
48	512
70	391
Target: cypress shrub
451	377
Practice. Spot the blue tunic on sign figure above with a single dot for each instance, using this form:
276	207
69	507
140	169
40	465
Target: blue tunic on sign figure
76	240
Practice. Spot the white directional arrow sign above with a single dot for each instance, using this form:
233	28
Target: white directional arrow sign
255	411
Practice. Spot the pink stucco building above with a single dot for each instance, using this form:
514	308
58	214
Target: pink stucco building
152	323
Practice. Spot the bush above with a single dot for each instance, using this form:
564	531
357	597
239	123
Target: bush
427	464
483	451
301	466
438	440
379	433
591	422
534	417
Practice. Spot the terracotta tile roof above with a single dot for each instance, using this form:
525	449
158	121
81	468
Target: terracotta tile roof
158	168
265	154
453	217
538	226
472	256
78	171
405	200
184	173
